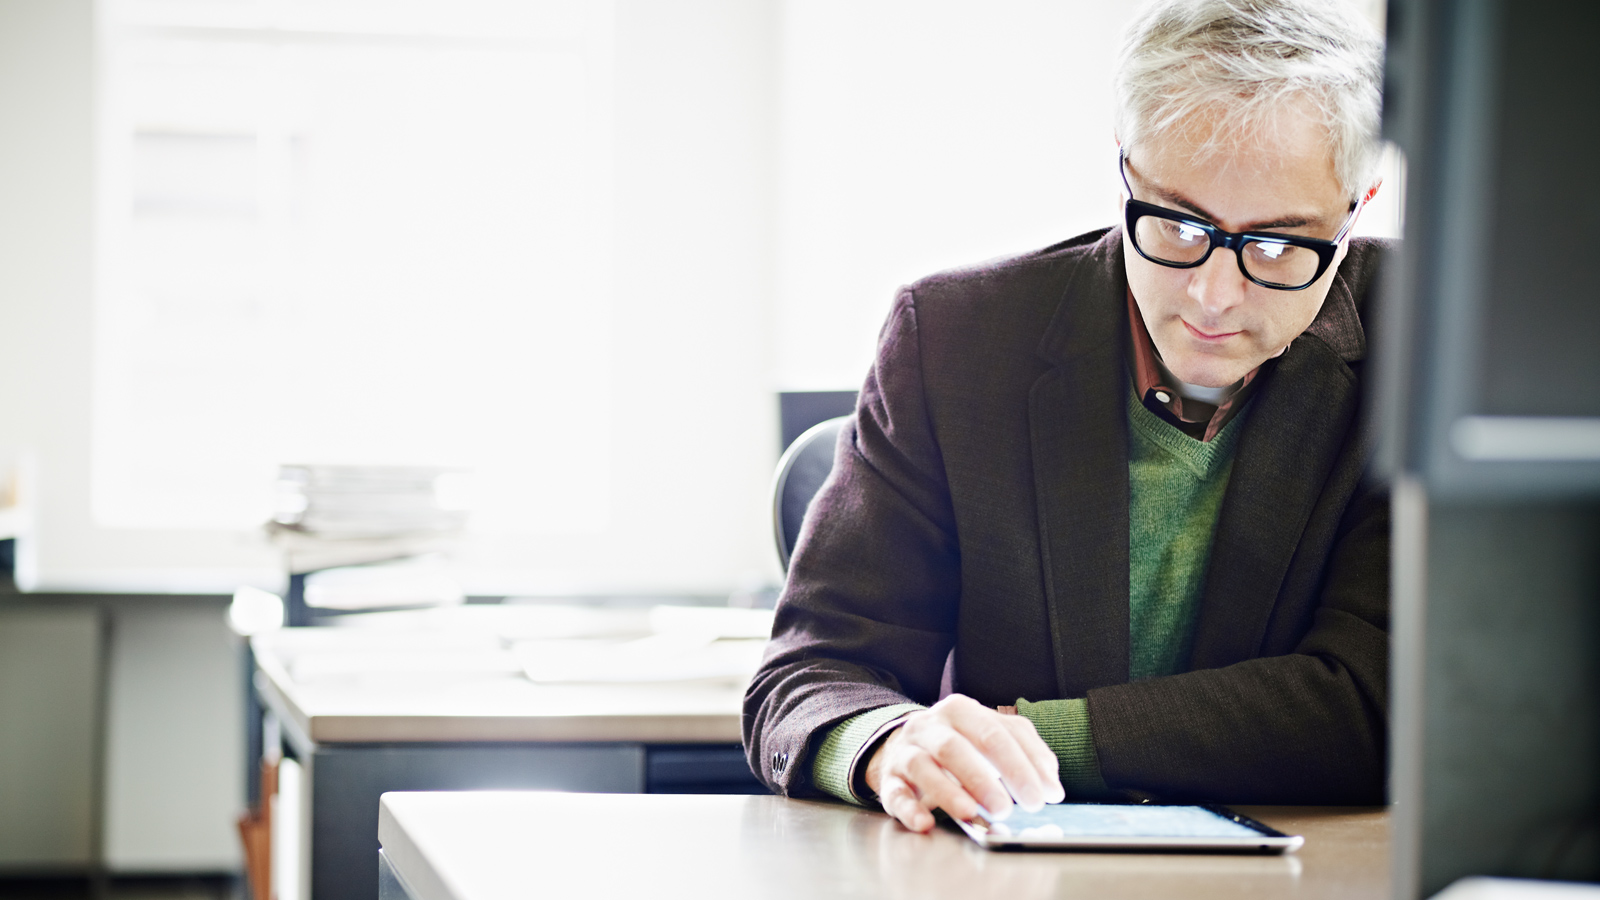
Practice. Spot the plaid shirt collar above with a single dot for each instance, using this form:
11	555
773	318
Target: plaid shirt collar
1157	387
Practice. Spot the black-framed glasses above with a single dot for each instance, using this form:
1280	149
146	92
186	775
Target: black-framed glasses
1284	262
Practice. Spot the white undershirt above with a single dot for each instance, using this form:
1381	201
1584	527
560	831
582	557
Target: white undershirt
1216	396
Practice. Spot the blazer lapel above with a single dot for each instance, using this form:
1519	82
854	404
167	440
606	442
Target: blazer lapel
1297	426
1080	467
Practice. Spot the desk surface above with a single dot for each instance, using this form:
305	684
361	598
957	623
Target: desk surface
463	683
491	846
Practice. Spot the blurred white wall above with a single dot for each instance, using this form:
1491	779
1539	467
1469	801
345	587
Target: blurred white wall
46	251
919	135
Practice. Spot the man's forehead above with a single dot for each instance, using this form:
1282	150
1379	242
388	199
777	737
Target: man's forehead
1285	212
1277	178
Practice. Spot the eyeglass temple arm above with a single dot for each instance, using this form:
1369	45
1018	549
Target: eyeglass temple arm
1122	169
1355	210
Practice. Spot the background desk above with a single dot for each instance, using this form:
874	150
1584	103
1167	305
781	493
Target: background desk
496	846
367	711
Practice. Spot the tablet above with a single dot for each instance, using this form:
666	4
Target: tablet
1109	826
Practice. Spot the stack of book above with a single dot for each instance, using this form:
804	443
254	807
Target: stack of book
332	516
16	519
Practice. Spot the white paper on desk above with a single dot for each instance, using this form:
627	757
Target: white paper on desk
432	664
658	658
712	621
511	623
535	622
424	581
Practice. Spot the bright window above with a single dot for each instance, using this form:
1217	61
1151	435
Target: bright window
353	232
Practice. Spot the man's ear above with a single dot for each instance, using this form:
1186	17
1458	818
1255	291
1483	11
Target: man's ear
1344	246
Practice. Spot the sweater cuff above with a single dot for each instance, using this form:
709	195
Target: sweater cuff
1064	726
834	766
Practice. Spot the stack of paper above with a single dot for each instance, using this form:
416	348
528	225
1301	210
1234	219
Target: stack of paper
329	516
13	522
659	657
14	517
686	643
16	521
417	581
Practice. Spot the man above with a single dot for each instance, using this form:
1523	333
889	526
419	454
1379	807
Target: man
1115	486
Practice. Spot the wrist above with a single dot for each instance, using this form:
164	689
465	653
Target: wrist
866	773
872	772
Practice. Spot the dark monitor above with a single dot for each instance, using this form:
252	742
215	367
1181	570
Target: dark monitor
1492	341
799	410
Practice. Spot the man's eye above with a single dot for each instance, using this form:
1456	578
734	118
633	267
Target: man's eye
1270	251
1185	232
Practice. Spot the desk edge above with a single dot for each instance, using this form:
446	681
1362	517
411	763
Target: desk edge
408	861
271	682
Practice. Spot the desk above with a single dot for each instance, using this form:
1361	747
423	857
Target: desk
496	846
368	710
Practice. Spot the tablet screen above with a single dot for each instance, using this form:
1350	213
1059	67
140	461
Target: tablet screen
1068	820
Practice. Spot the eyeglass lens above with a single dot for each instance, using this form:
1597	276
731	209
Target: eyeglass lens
1183	243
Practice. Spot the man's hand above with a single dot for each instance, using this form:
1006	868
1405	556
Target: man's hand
946	757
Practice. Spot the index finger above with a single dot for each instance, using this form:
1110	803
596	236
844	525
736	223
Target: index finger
1000	744
1039	753
962	763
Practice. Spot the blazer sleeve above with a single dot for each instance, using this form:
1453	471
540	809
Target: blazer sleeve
867	617
1306	727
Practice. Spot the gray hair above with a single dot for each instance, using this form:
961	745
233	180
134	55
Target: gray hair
1246	60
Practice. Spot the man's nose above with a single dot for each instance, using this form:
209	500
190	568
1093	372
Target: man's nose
1217	285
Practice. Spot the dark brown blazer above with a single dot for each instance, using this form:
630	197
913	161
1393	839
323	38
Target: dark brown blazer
978	514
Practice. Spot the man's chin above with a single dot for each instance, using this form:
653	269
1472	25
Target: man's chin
1208	372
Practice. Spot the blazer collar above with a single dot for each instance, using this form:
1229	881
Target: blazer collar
1338	324
1300	424
1079	436
1082	324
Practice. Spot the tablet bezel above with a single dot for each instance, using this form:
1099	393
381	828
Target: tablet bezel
1268	840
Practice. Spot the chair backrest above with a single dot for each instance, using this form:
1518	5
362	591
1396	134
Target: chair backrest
801	472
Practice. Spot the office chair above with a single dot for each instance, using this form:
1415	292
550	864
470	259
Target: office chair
801	472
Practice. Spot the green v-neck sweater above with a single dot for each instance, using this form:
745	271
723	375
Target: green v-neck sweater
1175	490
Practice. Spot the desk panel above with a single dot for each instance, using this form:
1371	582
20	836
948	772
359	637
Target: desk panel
372	711
346	782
